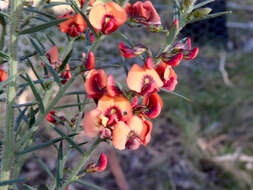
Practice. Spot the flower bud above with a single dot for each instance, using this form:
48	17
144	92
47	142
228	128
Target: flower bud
3	75
199	13
90	62
100	166
51	117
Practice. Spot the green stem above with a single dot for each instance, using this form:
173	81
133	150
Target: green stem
8	158
73	175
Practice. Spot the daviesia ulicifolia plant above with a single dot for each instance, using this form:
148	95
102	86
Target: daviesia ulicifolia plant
122	116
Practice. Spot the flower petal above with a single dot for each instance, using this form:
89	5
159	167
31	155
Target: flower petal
96	15
154	105
120	135
91	123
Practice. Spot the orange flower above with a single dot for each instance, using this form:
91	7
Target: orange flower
143	80
107	17
73	25
95	83
109	111
154	105
131	134
53	57
168	76
143	13
3	75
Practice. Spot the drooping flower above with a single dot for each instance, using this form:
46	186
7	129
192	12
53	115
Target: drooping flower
172	60
107	17
143	13
168	76
129	52
3	75
74	25
143	80
189	53
99	166
154	104
95	84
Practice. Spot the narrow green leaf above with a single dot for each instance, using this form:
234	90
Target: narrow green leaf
9	182
27	56
176	94
35	93
42	26
65	61
67	138
20	117
44	145
39	41
209	16
33	10
28	187
36	47
43	166
79	103
93	186
29	63
69	106
59	174
50	39
53	4
201	4
3	14
75	93
4	55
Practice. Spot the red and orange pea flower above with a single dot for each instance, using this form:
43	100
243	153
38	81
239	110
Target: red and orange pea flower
107	17
167	75
131	134
3	75
74	25
99	166
144	80
129	52
109	111
53	57
143	13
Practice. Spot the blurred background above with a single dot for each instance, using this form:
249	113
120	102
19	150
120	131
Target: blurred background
202	144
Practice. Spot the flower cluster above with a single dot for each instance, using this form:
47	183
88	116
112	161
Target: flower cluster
108	17
123	116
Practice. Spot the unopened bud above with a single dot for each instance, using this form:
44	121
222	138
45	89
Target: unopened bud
201	12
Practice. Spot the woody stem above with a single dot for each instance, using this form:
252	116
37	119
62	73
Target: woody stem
8	155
